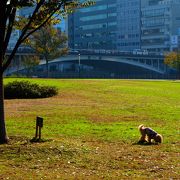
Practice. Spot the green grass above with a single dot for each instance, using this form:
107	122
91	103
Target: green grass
94	124
107	108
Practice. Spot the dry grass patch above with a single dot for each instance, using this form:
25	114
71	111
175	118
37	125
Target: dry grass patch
86	159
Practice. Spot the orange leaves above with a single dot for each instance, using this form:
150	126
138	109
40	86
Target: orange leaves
170	58
173	59
49	42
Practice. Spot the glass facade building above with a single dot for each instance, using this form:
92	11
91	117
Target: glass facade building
123	25
94	27
160	25
126	25
106	25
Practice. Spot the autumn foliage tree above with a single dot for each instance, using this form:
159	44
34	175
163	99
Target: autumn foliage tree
43	11
173	60
29	62
49	43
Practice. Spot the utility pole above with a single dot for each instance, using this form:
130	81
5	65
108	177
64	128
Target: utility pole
79	63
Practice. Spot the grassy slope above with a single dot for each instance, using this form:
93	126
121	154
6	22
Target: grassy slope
93	124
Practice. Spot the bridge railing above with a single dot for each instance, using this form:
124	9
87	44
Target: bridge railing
114	52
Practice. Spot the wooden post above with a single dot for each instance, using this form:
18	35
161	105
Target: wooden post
36	134
39	132
39	125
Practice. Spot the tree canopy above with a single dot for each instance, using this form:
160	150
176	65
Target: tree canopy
173	60
49	43
42	12
29	62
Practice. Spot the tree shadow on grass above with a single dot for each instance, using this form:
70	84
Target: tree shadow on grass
23	140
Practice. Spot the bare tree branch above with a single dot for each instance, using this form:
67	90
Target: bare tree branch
25	29
43	23
2	31
9	28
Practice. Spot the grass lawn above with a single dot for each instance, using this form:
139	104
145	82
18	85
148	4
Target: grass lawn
91	131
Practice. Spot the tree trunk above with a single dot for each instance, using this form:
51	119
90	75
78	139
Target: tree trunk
3	135
47	69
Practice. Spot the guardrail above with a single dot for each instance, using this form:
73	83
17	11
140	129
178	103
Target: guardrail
115	52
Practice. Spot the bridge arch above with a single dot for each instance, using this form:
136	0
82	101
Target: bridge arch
120	66
131	61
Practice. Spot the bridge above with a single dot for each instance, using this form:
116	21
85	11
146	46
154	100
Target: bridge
114	62
149	61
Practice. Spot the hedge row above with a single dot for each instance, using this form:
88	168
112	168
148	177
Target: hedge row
28	90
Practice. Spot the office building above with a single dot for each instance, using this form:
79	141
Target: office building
160	25
94	27
123	25
126	25
106	25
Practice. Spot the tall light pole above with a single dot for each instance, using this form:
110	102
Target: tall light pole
79	63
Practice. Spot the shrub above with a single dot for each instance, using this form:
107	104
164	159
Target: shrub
28	90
